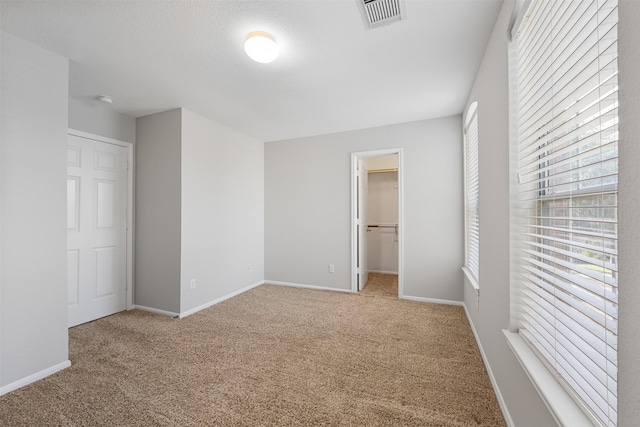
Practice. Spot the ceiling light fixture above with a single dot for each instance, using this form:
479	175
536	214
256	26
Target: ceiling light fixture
261	47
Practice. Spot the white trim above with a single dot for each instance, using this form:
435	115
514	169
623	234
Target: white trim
400	223
516	226
354	170
156	311
518	14
300	285
473	108
503	405
96	137
384	272
218	300
471	279
564	409
34	377
354	235
472	112
432	300
130	205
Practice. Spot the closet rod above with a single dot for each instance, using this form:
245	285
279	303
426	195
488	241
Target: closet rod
382	170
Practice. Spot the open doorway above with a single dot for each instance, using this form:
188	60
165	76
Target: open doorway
376	249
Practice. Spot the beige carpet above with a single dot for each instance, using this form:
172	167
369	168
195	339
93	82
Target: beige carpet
382	285
273	356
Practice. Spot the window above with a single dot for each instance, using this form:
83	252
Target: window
567	107
472	196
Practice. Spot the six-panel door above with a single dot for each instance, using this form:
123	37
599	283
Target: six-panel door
96	226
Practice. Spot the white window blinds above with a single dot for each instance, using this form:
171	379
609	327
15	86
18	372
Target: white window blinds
567	199
472	194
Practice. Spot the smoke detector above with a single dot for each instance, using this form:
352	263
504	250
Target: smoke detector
376	13
105	98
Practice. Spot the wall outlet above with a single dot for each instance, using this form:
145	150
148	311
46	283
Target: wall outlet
192	284
332	268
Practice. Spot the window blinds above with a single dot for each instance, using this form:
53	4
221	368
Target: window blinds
472	195
567	106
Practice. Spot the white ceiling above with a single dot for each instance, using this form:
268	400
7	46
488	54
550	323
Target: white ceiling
332	75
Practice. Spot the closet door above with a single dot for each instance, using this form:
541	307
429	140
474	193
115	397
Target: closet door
96	229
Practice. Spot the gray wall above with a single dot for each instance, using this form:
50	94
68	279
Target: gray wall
308	206
222	211
491	313
33	283
629	211
93	116
199	211
158	201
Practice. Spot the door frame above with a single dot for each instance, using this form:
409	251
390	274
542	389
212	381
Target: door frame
130	206
355	156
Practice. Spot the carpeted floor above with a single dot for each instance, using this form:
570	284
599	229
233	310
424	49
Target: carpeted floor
381	285
273	356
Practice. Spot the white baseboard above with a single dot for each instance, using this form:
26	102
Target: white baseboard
34	377
156	311
384	272
300	285
219	300
496	389
432	300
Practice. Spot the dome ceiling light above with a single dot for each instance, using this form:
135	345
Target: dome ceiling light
261	47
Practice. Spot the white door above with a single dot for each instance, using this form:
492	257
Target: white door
96	229
363	200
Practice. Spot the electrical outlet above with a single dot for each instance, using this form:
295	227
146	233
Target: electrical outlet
332	268
192	284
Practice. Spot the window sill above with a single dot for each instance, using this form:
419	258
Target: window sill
565	410
472	280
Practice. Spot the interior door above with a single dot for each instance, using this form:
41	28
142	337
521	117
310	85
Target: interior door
363	200
96	229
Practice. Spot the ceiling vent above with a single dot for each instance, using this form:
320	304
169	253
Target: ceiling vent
376	13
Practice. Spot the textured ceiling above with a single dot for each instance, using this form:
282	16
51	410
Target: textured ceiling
332	75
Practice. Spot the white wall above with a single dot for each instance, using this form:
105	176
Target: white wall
93	116
158	211
629	212
308	206
222	211
33	284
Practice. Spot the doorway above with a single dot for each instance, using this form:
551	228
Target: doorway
99	214
376	221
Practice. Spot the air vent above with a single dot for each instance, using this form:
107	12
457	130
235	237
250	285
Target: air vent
376	13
